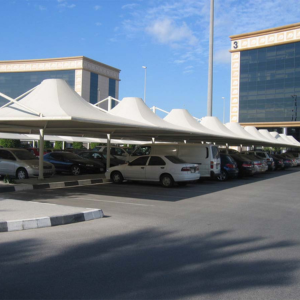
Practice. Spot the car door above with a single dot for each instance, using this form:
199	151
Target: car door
156	166
57	160
7	163
136	170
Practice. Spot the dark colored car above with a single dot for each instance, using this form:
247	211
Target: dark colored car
245	165
101	157
278	162
259	164
266	157
229	168
287	162
73	163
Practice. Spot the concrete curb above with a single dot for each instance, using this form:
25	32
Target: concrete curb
51	185
43	222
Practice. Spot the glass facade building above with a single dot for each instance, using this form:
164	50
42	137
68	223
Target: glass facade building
16	84
94	88
91	79
265	79
270	84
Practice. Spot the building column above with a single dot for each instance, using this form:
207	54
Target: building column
284	130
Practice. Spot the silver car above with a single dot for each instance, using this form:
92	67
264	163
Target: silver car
22	164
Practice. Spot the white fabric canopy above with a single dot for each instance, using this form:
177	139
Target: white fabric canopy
184	119
239	130
214	124
279	138
268	136
293	140
285	138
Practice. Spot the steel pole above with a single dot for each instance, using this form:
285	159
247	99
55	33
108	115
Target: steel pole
210	60
41	155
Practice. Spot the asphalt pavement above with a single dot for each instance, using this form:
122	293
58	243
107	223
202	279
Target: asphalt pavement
214	240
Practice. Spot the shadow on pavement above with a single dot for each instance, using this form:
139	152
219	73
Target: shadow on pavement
148	191
147	264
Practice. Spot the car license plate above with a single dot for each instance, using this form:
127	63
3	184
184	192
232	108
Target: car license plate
192	170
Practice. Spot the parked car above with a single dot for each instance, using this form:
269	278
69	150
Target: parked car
264	155
98	156
287	162
278	162
294	157
118	152
36	151
291	157
245	165
73	163
206	156
260	166
157	168
22	164
229	168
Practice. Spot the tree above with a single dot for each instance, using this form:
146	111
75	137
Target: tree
77	145
58	145
10	143
47	144
94	145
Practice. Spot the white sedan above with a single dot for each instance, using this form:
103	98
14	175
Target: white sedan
163	169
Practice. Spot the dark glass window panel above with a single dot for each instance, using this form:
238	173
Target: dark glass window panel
16	84
94	88
112	90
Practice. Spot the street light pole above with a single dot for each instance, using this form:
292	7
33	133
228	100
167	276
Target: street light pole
210	60
145	84
223	110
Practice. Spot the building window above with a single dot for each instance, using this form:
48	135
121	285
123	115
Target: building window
16	84
94	88
269	78
112	91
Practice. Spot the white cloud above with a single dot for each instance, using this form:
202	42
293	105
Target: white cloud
166	31
129	6
179	61
66	5
97	7
42	7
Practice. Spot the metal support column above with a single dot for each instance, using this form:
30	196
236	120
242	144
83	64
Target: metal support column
210	60
41	155
108	152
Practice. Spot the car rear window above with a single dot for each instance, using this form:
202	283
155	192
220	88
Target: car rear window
23	155
142	150
175	160
215	152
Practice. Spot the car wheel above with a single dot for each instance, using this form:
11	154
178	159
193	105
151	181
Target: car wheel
116	177
75	170
166	180
22	173
222	176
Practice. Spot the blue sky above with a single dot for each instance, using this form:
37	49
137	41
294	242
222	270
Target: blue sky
170	37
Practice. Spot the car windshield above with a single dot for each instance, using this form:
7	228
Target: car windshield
24	155
175	160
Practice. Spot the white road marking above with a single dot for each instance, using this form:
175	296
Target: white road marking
118	202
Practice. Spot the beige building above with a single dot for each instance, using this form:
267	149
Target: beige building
265	78
91	79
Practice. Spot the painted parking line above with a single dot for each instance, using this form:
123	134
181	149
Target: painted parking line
118	202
